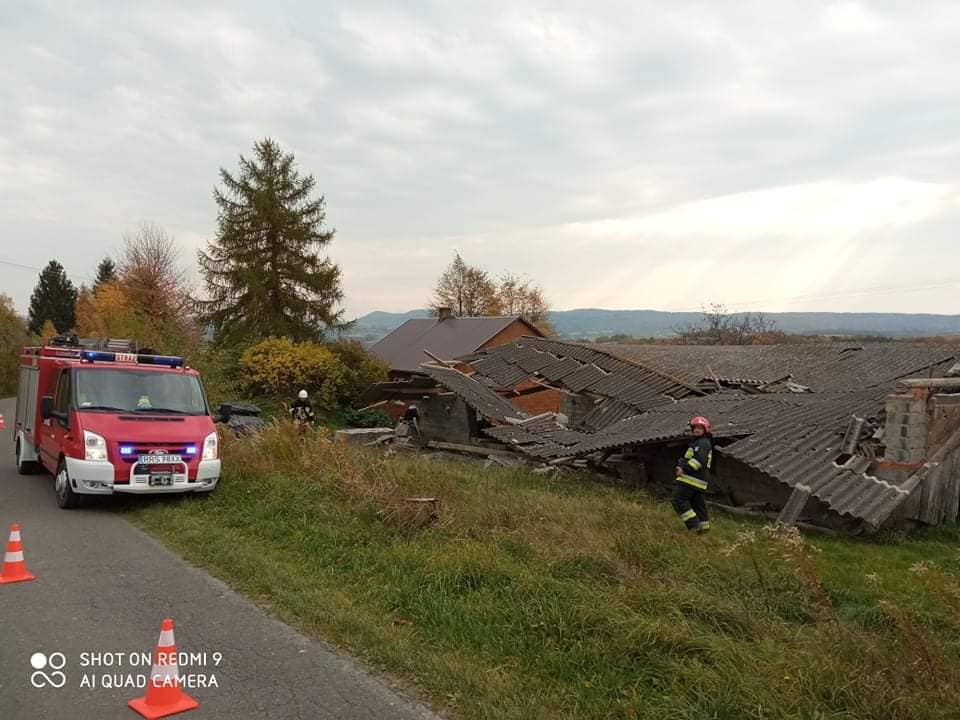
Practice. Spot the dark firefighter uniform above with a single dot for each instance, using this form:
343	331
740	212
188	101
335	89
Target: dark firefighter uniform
302	411
689	491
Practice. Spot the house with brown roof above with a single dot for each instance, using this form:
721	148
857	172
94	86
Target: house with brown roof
447	337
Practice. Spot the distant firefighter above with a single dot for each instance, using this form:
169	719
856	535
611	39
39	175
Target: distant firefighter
302	411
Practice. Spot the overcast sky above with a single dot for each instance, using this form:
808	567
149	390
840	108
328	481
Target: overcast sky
769	155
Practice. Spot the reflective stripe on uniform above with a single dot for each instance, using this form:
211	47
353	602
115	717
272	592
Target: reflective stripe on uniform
705	525
692	482
688	515
694	463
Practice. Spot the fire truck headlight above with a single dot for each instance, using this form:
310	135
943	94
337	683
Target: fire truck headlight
210	447
95	447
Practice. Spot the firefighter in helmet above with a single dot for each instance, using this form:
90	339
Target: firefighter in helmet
302	410
693	475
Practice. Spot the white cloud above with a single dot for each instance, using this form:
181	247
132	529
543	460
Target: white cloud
625	155
831	209
851	17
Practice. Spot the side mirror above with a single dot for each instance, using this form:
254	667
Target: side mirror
224	412
46	407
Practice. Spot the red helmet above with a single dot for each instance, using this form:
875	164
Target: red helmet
700	420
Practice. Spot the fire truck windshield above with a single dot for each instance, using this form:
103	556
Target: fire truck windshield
139	391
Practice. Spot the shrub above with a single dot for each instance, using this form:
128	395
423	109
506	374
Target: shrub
361	370
367	418
279	368
335	374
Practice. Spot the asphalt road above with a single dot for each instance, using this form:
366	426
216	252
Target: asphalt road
104	586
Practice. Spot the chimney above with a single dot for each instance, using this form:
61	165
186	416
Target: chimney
444	313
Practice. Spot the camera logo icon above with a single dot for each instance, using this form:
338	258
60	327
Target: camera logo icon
55	662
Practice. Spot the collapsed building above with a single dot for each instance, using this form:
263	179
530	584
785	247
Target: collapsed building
844	436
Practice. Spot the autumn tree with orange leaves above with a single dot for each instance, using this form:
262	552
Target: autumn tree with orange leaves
148	300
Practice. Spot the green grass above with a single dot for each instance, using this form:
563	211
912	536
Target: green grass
532	597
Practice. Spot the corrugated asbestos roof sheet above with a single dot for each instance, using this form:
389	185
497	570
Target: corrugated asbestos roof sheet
581	368
447	339
792	438
542	438
649	396
820	366
480	397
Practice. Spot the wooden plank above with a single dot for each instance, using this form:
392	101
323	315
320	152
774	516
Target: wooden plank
951	509
472	449
744	512
930	507
924	493
950	502
911	506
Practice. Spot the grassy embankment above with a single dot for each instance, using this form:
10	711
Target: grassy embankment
535	598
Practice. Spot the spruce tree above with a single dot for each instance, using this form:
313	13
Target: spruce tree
264	273
106	272
54	298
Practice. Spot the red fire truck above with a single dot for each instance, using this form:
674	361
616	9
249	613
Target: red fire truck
103	421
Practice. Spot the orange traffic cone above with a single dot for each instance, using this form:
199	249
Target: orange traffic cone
164	696
14	568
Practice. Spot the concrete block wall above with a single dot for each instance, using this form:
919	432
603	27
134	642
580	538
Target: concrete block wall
576	406
905	434
447	418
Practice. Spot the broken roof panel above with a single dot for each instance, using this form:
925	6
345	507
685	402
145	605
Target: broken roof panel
543	440
481	398
584	368
607	413
532	363
793	439
560	369
584	378
502	373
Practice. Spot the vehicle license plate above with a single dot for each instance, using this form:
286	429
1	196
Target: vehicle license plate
159	459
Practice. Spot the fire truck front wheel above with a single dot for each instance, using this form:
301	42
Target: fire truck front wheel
24	467
66	497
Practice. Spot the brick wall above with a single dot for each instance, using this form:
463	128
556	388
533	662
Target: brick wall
536	403
514	331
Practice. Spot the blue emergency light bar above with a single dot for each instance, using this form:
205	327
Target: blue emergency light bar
101	356
129	450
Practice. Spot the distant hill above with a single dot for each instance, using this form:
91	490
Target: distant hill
373	326
589	323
